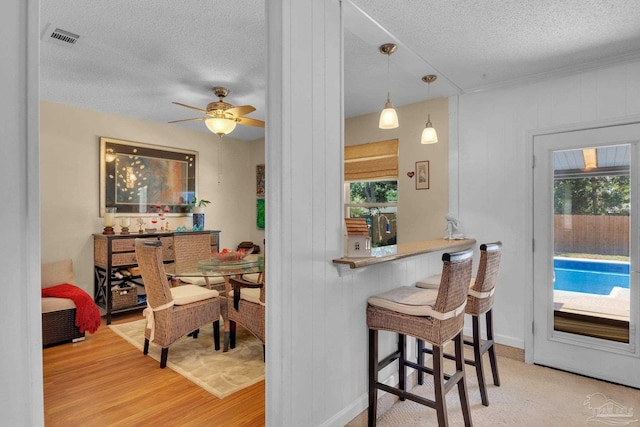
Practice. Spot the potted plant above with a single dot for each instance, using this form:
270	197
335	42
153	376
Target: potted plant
197	207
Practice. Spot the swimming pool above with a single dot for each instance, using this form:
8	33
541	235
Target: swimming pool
590	276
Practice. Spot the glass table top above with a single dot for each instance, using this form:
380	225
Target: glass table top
215	267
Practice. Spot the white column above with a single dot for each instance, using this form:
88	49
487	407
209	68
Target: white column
303	205
21	401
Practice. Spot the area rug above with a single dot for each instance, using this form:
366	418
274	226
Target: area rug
221	374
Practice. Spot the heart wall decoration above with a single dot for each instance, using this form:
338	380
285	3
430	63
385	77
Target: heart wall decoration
410	174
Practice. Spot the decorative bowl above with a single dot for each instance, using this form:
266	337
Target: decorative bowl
228	256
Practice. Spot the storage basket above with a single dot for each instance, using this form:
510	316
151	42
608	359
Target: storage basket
124	297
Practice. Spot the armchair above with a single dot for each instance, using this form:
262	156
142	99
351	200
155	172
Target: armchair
246	305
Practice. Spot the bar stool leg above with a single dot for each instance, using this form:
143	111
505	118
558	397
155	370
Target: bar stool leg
438	385
462	383
477	355
402	372
420	361
373	376
492	353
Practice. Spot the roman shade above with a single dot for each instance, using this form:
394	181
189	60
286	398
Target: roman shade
373	161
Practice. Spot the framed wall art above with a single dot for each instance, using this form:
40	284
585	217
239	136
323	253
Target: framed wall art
422	175
260	209
138	178
260	180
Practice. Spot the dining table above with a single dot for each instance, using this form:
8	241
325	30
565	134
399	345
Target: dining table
215	267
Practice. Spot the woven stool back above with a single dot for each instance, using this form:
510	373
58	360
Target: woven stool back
486	278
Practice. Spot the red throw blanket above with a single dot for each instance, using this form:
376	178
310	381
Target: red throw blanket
87	312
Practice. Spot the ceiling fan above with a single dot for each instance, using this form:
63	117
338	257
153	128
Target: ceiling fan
221	117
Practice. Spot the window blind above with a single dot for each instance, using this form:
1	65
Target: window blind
373	161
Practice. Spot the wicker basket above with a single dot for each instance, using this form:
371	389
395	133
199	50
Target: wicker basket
124	297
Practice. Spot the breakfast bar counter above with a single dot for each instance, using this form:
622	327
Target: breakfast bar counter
404	250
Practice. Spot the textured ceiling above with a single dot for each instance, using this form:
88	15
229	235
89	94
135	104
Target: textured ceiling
134	58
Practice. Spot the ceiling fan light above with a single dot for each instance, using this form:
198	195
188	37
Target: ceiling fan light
220	125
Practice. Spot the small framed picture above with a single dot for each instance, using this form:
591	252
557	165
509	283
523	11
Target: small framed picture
260	180
422	175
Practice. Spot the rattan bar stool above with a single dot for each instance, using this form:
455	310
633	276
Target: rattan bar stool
479	301
432	315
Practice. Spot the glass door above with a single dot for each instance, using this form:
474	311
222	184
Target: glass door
586	252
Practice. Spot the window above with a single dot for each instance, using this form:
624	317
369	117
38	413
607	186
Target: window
371	188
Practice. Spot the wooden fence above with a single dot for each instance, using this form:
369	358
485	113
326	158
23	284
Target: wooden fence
592	234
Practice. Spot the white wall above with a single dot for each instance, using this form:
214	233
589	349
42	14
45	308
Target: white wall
494	167
420	212
69	171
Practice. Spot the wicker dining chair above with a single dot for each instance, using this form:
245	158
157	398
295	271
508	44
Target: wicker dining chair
246	306
188	249
173	313
432	315
479	301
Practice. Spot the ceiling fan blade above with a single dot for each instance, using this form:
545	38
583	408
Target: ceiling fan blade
189	120
240	110
189	106
250	122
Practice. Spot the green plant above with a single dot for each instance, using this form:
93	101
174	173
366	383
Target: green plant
195	203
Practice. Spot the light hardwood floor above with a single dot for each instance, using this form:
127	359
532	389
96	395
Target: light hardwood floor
105	381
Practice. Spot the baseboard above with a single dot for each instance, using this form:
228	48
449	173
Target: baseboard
498	338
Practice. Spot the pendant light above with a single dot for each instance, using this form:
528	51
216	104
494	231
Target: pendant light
429	135
388	116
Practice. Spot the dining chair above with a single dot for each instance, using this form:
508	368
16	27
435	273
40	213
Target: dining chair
188	249
172	312
246	306
479	301
432	315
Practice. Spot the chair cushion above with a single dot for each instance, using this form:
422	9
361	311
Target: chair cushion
413	301
56	273
250	295
187	294
251	277
200	280
407	299
433	282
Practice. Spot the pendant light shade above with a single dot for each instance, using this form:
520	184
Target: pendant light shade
388	116
429	134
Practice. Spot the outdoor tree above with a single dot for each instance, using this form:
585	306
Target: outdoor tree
598	195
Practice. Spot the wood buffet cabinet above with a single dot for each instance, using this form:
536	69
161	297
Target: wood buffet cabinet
118	286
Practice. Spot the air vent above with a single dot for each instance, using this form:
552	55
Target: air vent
63	37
